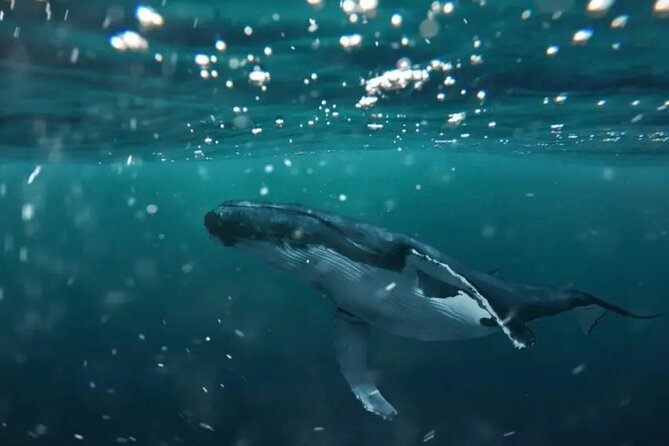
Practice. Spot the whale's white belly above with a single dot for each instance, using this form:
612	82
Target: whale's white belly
384	298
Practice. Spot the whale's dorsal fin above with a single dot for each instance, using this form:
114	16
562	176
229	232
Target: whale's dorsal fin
351	337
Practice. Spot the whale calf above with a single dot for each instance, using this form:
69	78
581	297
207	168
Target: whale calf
379	278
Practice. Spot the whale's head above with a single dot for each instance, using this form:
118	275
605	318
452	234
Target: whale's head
236	221
266	228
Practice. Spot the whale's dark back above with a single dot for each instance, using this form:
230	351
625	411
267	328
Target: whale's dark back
299	225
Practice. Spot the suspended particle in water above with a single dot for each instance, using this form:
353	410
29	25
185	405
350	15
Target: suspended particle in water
151	209
78	437
582	36
552	50
27	211
599	7
396	20
488	231
429	436
34	174
428	28
560	99
343	197
661	8
264	191
619	22
578	369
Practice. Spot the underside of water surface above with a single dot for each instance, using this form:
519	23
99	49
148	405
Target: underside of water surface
528	138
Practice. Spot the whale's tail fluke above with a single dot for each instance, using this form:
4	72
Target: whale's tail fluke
592	309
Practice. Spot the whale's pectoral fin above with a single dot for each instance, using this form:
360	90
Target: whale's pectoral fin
351	336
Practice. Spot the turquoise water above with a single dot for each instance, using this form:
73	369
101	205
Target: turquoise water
122	321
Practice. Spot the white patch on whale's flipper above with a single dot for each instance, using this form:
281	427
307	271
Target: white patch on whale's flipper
473	292
351	336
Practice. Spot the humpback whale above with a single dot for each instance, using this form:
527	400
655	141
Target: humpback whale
379	278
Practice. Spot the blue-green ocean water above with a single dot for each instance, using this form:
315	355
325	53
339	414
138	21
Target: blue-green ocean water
122	322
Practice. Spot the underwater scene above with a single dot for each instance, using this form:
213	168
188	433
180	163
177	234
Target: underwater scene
325	222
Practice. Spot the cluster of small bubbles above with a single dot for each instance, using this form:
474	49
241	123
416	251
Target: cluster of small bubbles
202	60
259	77
456	118
129	41
350	41
366	102
148	17
353	7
